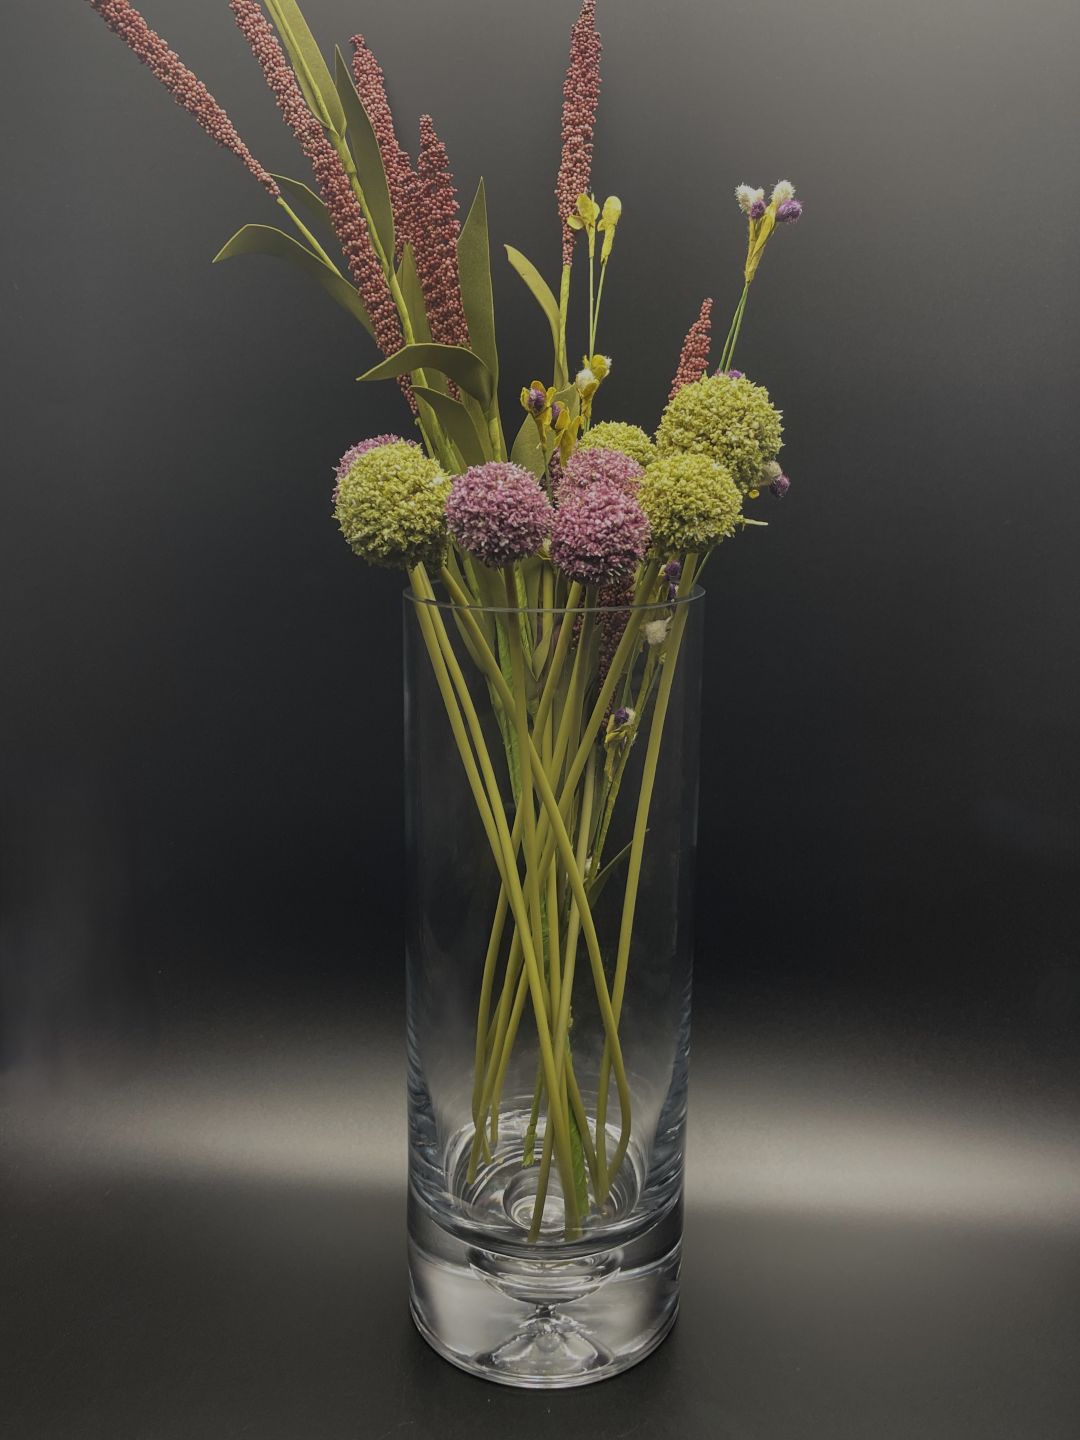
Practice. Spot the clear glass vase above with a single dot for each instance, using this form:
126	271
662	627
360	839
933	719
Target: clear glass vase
544	1239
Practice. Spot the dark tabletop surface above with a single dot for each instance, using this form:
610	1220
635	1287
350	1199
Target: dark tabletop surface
204	1237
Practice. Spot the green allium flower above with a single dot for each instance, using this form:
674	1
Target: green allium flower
690	501
618	435
732	421
391	506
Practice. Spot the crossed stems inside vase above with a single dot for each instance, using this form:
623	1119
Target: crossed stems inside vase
565	778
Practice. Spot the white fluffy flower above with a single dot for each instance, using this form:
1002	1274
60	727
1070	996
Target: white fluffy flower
769	471
746	195
656	631
584	379
782	190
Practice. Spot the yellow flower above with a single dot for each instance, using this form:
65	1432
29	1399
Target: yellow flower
608	220
588	212
600	365
537	400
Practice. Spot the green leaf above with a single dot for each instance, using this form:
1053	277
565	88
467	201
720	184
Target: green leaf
267	240
454	419
409	282
454	361
543	296
480	423
307	60
526	450
303	196
474	264
366	155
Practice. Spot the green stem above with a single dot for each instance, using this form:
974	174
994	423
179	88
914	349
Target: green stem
448	678
562	1024
633	872
562	371
533	773
733	331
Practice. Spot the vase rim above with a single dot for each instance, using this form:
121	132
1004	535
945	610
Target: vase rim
696	594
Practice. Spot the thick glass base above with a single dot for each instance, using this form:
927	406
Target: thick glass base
543	1315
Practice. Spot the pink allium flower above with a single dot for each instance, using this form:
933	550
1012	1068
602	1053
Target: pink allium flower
433	230
498	512
581	94
694	359
186	88
600	534
400	175
334	185
592	467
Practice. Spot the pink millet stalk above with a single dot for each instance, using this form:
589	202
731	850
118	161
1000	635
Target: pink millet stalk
334	185
434	230
186	89
400	175
581	94
694	359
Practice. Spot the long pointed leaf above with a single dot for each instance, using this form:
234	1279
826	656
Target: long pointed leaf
474	263
413	294
307	60
366	155
543	296
268	240
461	365
455	420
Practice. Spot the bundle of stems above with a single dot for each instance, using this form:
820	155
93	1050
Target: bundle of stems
565	760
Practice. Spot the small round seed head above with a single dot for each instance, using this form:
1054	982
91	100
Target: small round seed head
391	506
691	503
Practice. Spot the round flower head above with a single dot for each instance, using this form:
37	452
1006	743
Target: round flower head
691	503
788	212
342	467
591	467
498	512
618	435
731	421
600	533
364	446
391	506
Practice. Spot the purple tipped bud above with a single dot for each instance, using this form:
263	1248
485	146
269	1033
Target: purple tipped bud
536	401
788	212
780	486
621	716
734	374
673	571
672	594
556	411
757	210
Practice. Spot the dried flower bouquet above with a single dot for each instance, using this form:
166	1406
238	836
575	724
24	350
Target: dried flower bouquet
566	554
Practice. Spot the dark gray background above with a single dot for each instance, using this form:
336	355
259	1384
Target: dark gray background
200	892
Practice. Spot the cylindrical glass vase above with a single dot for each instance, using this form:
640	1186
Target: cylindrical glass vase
545	1238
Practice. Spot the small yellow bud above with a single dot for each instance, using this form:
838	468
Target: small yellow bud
608	220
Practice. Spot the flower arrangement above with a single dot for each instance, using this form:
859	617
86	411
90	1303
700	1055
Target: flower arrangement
567	545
